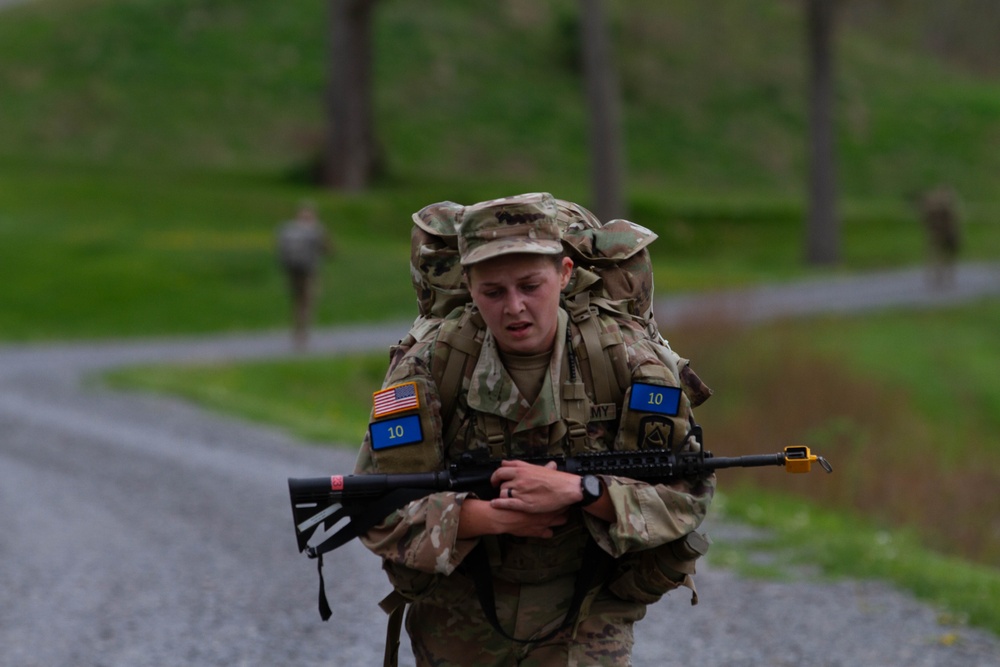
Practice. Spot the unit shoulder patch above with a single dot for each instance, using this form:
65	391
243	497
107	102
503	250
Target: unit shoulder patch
396	432
655	398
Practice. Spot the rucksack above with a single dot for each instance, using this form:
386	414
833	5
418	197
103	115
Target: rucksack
612	273
616	251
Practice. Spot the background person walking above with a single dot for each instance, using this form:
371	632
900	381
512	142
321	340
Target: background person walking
939	212
302	245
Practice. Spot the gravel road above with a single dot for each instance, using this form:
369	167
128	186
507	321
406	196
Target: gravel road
143	531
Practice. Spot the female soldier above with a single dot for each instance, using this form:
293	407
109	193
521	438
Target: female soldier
571	562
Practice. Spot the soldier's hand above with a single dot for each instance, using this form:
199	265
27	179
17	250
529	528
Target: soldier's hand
525	487
523	524
478	517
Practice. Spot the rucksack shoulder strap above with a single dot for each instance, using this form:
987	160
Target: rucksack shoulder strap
463	337
603	345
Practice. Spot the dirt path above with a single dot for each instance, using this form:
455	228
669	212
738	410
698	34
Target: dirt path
904	288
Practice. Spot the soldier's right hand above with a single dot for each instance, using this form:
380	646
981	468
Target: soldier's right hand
478	518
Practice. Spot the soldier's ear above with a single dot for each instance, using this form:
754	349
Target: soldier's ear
565	272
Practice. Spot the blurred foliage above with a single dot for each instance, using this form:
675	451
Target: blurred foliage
714	96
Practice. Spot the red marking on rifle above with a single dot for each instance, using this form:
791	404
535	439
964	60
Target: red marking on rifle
337	482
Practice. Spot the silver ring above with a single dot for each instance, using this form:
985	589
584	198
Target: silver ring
510	492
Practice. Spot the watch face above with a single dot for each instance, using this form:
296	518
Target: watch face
591	487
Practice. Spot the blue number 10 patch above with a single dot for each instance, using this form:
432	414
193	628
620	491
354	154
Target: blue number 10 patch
396	432
655	398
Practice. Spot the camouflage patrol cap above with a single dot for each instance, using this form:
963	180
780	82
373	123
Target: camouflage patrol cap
520	224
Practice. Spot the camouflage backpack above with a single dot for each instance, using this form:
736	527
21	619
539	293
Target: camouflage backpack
612	273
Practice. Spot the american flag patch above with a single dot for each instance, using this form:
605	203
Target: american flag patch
395	399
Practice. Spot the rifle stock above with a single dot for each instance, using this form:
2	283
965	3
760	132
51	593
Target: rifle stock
330	511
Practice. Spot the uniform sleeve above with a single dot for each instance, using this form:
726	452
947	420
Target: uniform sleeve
648	515
423	535
421	538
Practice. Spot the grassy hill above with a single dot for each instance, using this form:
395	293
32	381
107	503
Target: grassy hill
714	98
149	148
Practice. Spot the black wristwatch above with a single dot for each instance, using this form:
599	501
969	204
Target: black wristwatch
592	489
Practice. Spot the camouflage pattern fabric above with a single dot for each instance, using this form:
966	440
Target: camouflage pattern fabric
443	632
607	344
617	251
419	543
302	245
521	224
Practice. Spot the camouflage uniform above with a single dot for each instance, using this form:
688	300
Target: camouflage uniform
534	577
302	243
940	212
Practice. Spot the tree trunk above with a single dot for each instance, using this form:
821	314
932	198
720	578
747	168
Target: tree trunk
823	227
604	110
351	154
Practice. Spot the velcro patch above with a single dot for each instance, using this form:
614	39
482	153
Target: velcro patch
396	432
398	398
655	433
655	398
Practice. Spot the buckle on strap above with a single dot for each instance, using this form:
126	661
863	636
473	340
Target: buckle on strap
578	307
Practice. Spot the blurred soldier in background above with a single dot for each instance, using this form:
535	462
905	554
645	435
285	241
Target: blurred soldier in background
940	216
302	244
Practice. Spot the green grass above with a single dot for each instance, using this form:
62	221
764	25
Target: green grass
101	251
904	403
149	149
714	100
803	538
320	400
946	363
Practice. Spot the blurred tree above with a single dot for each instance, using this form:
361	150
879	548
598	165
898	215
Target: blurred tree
823	224
351	155
603	95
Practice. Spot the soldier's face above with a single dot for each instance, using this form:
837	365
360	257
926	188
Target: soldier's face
518	296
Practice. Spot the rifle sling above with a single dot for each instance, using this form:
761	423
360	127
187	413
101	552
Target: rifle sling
363	519
392	632
596	563
324	606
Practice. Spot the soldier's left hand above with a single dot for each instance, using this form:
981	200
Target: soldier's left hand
525	487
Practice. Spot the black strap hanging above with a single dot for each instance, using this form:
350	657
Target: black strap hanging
324	606
596	563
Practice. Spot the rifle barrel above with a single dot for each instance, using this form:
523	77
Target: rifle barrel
750	461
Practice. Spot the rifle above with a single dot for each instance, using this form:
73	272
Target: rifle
347	506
